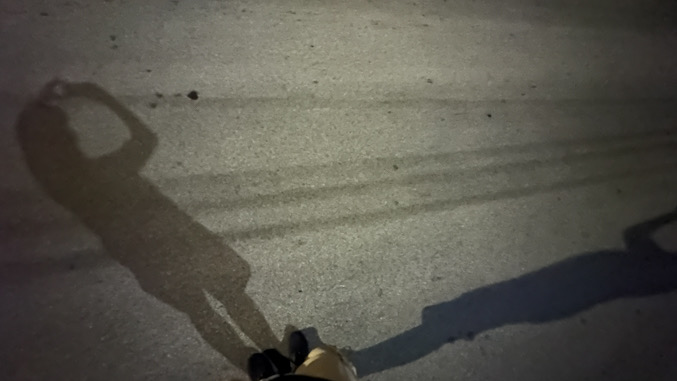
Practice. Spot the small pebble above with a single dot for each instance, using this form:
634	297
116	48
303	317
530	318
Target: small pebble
192	95
158	95
430	80
112	37
488	115
395	167
152	105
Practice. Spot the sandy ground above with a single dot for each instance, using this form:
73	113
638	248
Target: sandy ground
352	163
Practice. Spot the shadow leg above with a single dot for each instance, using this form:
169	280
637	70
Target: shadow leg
221	336
250	319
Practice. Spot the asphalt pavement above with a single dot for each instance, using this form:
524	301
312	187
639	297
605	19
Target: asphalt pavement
453	190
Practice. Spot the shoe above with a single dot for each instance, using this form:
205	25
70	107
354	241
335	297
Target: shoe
298	348
259	367
282	364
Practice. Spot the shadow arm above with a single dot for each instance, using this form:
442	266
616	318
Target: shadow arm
639	236
136	151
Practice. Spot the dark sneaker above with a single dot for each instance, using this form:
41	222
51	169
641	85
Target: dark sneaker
281	363
298	348
259	367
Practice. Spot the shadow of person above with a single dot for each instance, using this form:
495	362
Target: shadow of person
552	293
173	258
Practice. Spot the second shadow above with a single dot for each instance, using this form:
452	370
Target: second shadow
555	292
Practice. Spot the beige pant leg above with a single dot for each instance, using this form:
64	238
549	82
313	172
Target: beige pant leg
327	363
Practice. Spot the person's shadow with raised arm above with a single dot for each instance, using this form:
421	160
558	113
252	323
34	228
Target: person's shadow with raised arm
174	258
552	293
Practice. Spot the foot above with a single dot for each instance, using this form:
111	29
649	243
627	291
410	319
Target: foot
298	348
282	364
259	367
